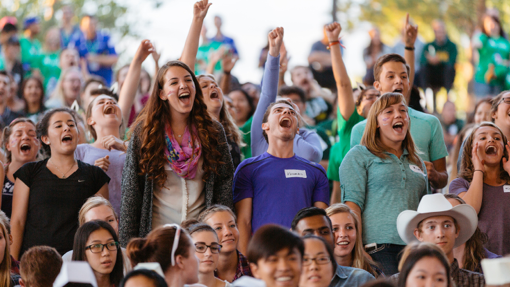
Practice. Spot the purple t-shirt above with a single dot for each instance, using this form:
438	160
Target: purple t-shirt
279	187
89	154
494	216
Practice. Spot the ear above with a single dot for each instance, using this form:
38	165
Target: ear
417	234
10	239
377	85
495	115
162	96
45	140
265	126
254	270
90	122
178	262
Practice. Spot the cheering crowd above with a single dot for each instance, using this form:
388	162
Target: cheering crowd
188	177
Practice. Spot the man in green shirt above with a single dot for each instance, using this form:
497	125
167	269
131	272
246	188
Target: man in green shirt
30	46
438	60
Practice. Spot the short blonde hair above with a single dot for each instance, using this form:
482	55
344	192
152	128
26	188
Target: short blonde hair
94	202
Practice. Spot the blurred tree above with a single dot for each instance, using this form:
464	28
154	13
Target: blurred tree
111	14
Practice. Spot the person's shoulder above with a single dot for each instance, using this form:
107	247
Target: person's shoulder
88	167
423	116
313	165
361	125
82	147
471	274
353	272
253	161
359	150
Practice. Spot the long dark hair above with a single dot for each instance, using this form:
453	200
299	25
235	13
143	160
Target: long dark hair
327	246
249	99
495	19
150	126
42	108
80	241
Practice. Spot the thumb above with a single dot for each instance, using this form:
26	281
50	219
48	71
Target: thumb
107	157
504	160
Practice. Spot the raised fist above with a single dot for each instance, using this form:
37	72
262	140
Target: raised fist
275	38
333	31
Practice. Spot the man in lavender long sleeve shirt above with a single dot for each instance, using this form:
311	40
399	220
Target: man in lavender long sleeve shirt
307	144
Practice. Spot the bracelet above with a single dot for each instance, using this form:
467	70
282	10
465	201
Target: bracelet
331	44
478	170
409	48
226	73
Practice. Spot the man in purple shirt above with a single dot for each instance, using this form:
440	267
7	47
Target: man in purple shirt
274	186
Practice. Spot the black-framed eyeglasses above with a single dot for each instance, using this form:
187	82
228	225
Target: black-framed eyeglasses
506	100
202	247
307	261
98	247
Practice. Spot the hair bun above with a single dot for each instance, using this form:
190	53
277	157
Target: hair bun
138	251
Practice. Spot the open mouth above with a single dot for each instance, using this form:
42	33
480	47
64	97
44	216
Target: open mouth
214	95
285	123
398	127
67	139
398	90
283	279
343	243
314	278
25	148
491	150
108	110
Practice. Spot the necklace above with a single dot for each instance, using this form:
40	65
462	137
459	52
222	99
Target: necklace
63	174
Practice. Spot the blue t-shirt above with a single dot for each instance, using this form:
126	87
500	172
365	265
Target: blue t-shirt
75	40
229	42
279	187
101	45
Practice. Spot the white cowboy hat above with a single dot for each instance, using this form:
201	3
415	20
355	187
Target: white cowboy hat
437	205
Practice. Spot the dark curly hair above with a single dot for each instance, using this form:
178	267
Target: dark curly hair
150	128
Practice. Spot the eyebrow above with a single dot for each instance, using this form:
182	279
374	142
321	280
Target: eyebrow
318	228
319	253
109	239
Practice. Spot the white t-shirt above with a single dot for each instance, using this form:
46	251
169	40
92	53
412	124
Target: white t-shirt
179	199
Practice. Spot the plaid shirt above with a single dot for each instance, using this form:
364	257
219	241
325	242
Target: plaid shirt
465	278
14	266
243	268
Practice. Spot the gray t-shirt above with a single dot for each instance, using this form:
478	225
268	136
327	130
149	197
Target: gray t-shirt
89	154
493	218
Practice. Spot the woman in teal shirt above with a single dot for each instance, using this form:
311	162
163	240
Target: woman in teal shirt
382	177
494	52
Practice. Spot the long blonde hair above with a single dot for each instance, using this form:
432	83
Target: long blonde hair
5	266
359	260
466	167
371	137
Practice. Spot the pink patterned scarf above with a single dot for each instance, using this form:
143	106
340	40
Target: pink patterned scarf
183	160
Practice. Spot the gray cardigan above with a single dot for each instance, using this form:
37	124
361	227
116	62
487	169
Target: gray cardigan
138	190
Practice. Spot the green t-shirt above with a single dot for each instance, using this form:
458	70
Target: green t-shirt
48	64
447	52
340	149
492	51
29	50
246	129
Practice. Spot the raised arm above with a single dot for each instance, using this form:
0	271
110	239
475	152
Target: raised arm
343	83
128	90
474	194
20	198
269	90
189	54
410	34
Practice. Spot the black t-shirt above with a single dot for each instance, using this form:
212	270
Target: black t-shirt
7	196
54	203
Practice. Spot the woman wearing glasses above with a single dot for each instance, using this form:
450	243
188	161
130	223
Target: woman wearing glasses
207	250
319	265
172	248
96	242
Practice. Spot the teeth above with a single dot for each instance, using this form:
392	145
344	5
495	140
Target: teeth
283	279
343	243
184	95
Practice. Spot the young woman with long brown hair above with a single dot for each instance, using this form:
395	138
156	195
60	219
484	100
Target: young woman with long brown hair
382	177
483	183
178	161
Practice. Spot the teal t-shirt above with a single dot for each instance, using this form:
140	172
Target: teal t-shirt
492	51
340	149
203	54
426	131
382	188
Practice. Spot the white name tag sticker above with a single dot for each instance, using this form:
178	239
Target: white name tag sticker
416	169
289	173
506	188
